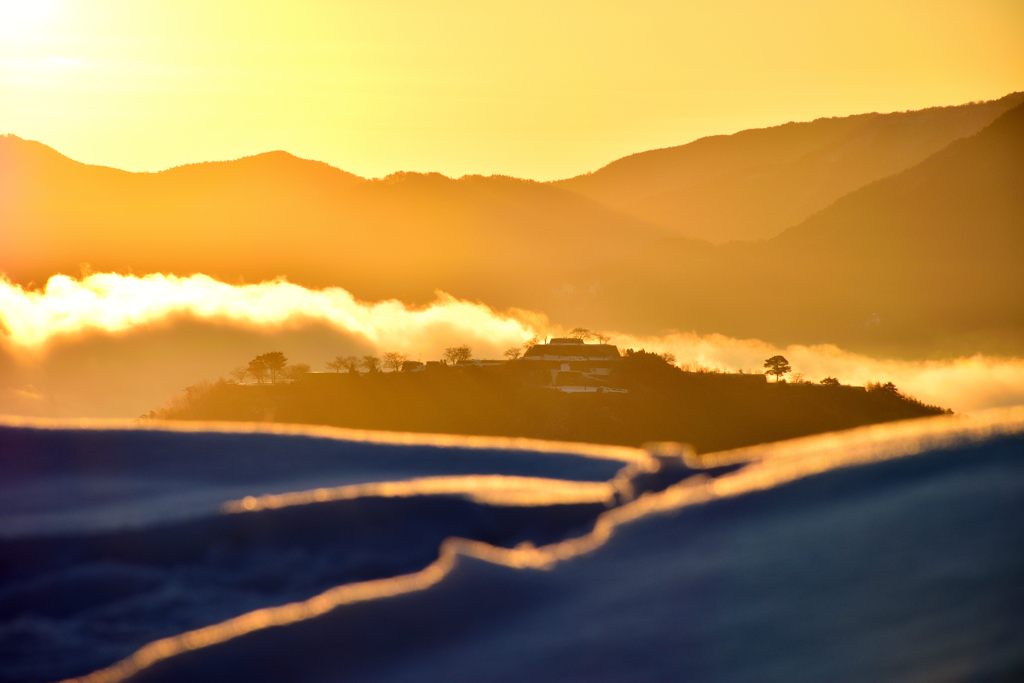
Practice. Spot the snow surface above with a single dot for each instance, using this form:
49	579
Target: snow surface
56	478
890	553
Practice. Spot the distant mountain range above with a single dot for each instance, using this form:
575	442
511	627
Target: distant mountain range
756	183
274	214
927	261
897	233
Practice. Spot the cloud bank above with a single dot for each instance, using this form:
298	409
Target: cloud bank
964	384
112	303
112	312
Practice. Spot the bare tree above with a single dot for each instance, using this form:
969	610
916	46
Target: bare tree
513	353
602	338
532	341
830	382
350	364
669	358
580	333
239	374
393	360
455	354
295	371
370	363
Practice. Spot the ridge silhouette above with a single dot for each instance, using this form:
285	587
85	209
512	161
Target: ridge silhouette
756	183
925	261
921	262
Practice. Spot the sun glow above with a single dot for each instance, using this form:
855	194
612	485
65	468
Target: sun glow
532	89
19	19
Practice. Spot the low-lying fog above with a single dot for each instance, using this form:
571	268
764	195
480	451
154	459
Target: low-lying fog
111	345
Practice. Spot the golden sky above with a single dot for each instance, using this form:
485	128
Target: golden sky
542	90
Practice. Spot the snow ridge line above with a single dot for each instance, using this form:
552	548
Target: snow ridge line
598	451
769	466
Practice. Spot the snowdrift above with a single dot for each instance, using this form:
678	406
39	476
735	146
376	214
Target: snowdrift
893	552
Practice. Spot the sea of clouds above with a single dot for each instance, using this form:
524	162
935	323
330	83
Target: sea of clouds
112	345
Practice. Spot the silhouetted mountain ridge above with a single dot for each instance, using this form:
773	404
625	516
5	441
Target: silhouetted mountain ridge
928	259
924	261
404	235
756	183
979	203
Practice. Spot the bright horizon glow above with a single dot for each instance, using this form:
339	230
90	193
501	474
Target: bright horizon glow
112	303
534	90
67	310
21	19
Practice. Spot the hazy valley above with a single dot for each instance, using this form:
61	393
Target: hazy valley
894	234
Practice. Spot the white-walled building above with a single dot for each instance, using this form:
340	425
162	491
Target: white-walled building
576	366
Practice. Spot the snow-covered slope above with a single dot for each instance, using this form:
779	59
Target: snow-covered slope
55	477
886	553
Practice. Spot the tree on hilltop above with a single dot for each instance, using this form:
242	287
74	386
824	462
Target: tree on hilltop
393	360
513	353
887	389
295	371
349	363
532	341
830	382
454	354
778	366
240	373
370	363
581	333
274	361
257	368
